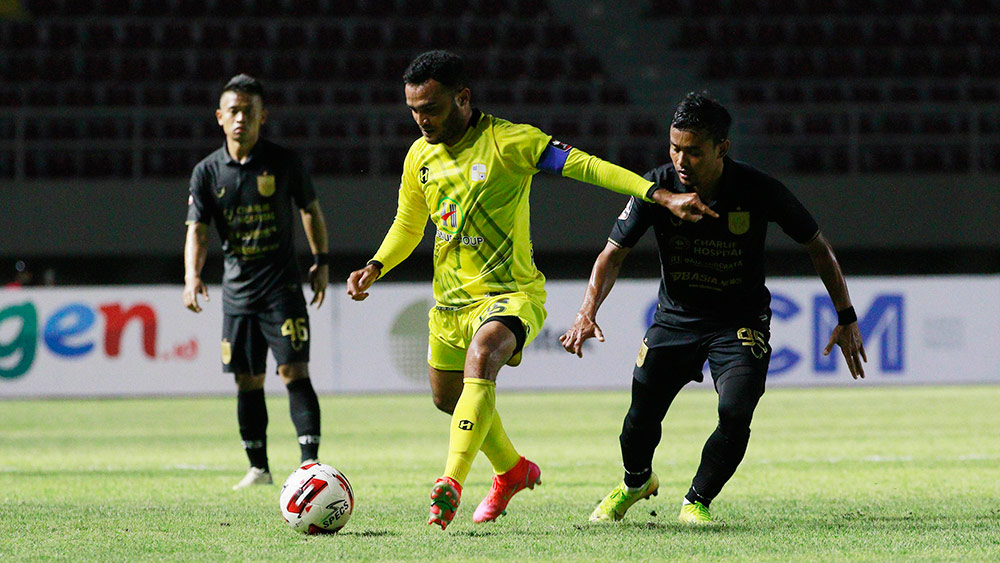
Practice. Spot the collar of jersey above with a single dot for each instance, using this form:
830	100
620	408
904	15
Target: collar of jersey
471	133
250	157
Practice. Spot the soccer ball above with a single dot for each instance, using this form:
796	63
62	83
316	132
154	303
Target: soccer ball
316	499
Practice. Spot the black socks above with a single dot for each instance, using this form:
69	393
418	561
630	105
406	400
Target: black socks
304	408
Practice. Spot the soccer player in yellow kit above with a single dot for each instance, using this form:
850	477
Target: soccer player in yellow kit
471	174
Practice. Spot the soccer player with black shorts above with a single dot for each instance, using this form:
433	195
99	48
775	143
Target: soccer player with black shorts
470	173
712	303
251	189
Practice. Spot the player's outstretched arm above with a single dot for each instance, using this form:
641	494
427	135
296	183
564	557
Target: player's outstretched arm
314	225
688	207
360	280
602	279
846	334
581	166
195	252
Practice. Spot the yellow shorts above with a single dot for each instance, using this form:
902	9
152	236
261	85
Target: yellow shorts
452	329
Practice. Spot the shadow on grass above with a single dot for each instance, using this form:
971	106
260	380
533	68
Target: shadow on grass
828	523
475	533
672	527
368	533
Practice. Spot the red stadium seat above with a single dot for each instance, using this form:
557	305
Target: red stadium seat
134	67
329	36
173	65
252	36
292	36
214	36
248	62
18	35
537	96
100	35
138	36
120	95
78	95
176	36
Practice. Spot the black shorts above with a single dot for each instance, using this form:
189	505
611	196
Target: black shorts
678	354
283	328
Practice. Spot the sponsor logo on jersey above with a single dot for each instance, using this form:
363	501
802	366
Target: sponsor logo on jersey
424	174
739	222
465	425
265	184
450	215
627	211
679	243
220	192
478	172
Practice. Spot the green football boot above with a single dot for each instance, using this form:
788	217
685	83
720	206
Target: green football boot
694	513
619	500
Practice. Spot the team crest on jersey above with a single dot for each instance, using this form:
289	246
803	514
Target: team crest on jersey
739	222
265	184
451	218
478	172
424	174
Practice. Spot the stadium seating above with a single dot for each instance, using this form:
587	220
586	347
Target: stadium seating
811	80
909	74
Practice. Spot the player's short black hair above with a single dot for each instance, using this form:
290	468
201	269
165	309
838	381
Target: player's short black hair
245	84
699	112
444	66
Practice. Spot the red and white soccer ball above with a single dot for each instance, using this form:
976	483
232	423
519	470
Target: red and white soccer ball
316	499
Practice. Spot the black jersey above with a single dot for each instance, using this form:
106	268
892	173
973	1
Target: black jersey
252	207
713	270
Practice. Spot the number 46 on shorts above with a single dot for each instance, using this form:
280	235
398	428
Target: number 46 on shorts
297	330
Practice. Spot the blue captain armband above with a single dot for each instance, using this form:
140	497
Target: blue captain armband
554	157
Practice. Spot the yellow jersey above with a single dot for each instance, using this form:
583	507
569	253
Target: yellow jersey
476	193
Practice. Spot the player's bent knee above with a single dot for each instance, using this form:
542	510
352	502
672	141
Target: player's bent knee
636	423
293	372
735	418
485	361
247	382
445	403
446	388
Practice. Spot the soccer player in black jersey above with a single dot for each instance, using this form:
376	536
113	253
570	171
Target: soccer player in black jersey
251	188
712	302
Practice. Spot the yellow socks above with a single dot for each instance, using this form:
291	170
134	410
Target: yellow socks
474	414
498	448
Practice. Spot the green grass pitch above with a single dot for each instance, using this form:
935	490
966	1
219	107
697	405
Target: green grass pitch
858	473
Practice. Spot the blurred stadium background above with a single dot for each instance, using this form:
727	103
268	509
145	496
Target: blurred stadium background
881	115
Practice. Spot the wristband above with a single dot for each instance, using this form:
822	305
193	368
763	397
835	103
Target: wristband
649	192
321	259
847	316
